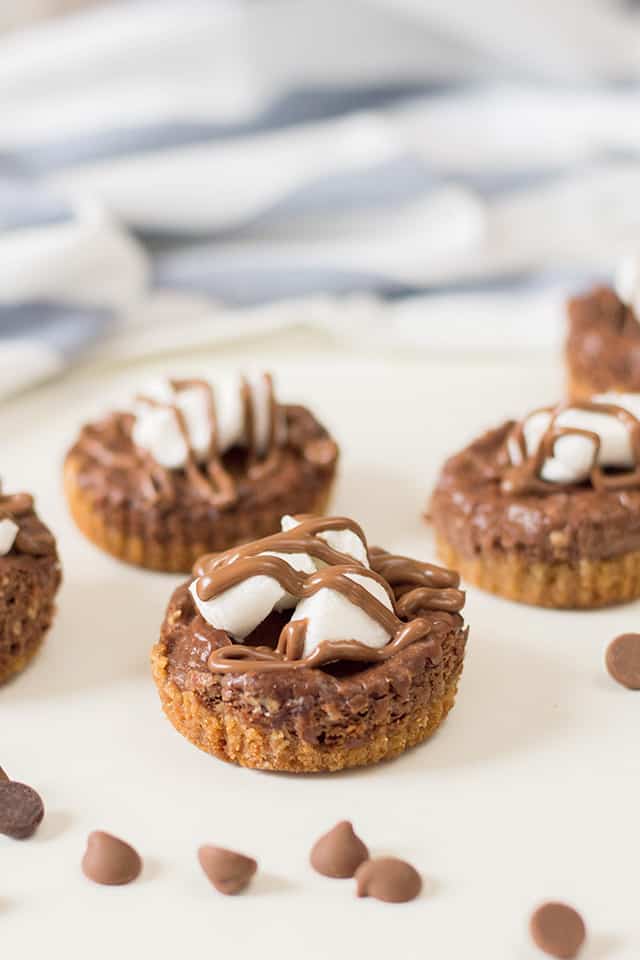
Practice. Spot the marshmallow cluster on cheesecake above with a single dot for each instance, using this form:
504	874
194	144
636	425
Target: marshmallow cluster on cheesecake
547	510
308	650
195	466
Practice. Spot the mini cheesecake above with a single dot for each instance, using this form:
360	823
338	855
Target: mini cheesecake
602	351
309	651
547	510
195	467
29	579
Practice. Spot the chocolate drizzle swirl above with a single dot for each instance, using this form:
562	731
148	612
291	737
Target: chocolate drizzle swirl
525	477
210	478
419	586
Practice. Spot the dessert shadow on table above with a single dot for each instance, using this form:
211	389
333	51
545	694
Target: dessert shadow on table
499	710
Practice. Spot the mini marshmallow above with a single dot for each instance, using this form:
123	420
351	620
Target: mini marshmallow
240	609
8	534
344	541
573	454
193	403
259	388
331	616
157	430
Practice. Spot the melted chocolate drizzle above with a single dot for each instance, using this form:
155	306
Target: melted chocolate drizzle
419	587
525	477
213	482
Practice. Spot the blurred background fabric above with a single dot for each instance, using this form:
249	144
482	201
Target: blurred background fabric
427	173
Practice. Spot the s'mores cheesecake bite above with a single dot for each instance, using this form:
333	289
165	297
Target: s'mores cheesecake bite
29	579
602	350
309	651
194	467
547	510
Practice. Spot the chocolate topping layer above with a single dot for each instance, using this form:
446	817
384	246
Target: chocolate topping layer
472	511
118	475
421	587
603	346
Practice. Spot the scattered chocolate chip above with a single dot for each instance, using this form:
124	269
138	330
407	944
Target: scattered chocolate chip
229	872
21	809
110	860
3	775
623	660
339	852
558	930
388	879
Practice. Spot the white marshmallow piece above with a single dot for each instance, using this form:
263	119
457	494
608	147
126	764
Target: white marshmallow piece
240	609
8	534
574	453
344	541
331	616
229	414
627	282
260	394
193	404
157	431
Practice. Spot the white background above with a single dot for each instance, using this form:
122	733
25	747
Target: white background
530	790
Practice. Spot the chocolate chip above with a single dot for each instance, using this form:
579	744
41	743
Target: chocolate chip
3	775
109	860
623	660
558	930
388	879
229	872
21	810
339	852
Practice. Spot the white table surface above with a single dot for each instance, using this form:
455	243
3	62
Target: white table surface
530	790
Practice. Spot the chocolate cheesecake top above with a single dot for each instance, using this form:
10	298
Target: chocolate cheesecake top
483	501
341	590
187	444
603	343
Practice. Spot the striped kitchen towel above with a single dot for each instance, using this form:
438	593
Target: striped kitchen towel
161	164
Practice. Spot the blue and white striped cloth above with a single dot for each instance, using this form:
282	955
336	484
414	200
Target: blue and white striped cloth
450	172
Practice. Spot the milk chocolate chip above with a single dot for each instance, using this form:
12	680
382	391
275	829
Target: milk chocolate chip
558	930
109	860
388	879
339	852
229	872
623	660
21	809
